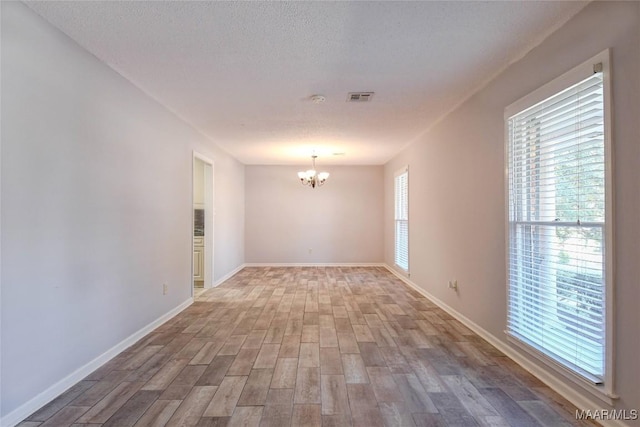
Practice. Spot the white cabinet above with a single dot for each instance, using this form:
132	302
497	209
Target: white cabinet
198	258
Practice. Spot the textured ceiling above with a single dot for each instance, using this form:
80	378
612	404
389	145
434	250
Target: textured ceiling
243	72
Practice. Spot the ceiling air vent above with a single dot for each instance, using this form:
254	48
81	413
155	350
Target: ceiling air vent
359	96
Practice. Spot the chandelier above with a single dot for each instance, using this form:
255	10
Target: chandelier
312	178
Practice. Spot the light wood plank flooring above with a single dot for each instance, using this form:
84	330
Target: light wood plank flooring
309	347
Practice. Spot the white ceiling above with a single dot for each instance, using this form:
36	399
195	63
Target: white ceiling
243	72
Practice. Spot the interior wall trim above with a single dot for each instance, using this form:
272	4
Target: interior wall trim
229	275
578	399
21	412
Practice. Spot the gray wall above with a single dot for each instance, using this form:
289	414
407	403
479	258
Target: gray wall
96	207
456	183
341	221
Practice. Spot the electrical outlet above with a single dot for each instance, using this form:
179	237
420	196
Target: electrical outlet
310	250
165	289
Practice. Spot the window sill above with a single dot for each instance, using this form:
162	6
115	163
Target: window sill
601	392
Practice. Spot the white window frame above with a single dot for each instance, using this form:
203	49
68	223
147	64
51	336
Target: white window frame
402	171
605	390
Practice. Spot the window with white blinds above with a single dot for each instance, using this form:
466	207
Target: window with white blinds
557	237
401	185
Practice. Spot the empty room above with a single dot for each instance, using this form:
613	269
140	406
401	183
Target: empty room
319	213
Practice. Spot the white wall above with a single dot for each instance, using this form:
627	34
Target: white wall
341	221
96	207
229	211
456	200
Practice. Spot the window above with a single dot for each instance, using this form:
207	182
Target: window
401	182
559	230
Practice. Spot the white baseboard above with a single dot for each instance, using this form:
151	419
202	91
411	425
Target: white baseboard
20	413
228	275
551	380
314	264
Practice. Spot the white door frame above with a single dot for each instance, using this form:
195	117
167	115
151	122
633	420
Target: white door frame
209	214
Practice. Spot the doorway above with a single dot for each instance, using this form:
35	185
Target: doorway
202	220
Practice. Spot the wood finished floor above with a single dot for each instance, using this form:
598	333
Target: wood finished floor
309	347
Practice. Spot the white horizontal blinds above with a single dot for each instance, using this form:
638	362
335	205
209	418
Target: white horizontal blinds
401	183
556	227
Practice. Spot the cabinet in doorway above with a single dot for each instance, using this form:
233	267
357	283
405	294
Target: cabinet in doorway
198	258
